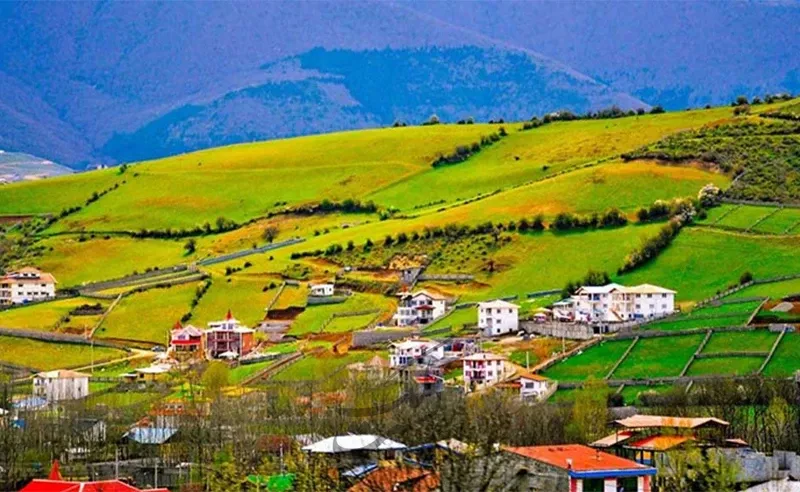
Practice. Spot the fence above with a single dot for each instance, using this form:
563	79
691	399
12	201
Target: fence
731	201
543	293
366	338
130	279
248	252
572	331
448	277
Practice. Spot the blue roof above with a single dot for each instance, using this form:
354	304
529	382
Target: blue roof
360	471
150	435
633	472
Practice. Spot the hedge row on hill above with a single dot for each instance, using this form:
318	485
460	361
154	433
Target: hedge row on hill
464	152
764	157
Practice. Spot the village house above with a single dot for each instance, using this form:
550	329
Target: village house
614	303
26	285
414	352
61	385
497	318
483	369
228	338
570	468
186	340
322	290
419	308
530	386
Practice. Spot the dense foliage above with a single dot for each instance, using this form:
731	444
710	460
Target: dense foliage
764	157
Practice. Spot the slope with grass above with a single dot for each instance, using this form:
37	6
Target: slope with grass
746	341
314	318
241	293
50	316
46	356
702	261
594	362
725	366
785	362
148	316
773	290
658	357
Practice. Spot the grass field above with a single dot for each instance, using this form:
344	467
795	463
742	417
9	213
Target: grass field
725	366
312	319
596	362
71	190
46	356
745	217
631	393
244	371
525	156
349	323
50	315
773	290
724	315
785	361
717	213
457	318
702	261
292	296
241	292
658	357
312	368
782	222
73	262
244	181
148	316
741	341
123	399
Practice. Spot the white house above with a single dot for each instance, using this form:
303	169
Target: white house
321	290
412	352
26	285
61	385
530	386
483	369
420	308
498	318
615	303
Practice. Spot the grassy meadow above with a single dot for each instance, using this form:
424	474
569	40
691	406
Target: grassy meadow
773	290
312	319
740	341
47	356
595	362
725	366
785	361
658	357
50	316
241	293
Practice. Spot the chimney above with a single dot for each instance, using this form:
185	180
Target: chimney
569	463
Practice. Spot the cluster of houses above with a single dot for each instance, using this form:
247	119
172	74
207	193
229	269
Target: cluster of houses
606	304
225	339
26	285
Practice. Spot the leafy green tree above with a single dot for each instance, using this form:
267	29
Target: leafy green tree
215	378
590	411
190	246
270	233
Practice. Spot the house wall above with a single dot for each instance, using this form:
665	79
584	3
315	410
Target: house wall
25	291
58	389
498	321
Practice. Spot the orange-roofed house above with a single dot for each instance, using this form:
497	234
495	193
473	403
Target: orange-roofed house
67	486
26	285
574	468
530	386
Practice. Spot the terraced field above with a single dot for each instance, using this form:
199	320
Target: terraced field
724	315
745	217
725	366
785	221
773	290
658	357
747	341
785	361
595	362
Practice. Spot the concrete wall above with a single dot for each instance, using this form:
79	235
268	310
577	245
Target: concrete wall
572	331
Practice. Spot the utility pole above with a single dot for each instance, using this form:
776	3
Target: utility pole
116	462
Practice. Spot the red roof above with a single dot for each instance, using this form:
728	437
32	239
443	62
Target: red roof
660	442
583	457
426	308
64	486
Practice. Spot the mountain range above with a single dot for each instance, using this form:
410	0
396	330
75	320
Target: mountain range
83	83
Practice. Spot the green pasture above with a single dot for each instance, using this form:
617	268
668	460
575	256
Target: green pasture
715	214
740	341
51	315
243	371
148	316
785	221
595	361
631	393
242	293
658	357
773	290
702	261
312	319
725	366
47	356
745	217
785	362
311	368
349	323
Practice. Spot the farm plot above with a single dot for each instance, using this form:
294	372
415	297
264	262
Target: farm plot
148	316
773	290
702	261
725	366
740	341
724	315
46	356
785	361
345	324
292	296
314	318
658	357
745	217
595	362
241	293
51	316
318	368
783	222
717	213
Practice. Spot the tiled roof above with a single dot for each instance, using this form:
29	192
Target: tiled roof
499	303
610	440
659	442
642	421
577	457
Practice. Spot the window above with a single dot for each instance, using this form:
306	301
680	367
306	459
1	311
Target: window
663	296
593	485
663	306
628	484
649	296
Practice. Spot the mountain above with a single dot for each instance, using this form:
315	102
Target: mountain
676	54
345	89
83	83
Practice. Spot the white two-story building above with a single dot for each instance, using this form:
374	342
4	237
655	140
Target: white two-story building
498	318
412	352
61	385
419	308
614	303
322	290
483	369
26	285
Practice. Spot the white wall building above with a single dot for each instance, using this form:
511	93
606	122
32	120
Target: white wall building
322	290
531	386
419	308
483	369
615	303
61	385
411	352
26	285
498	318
